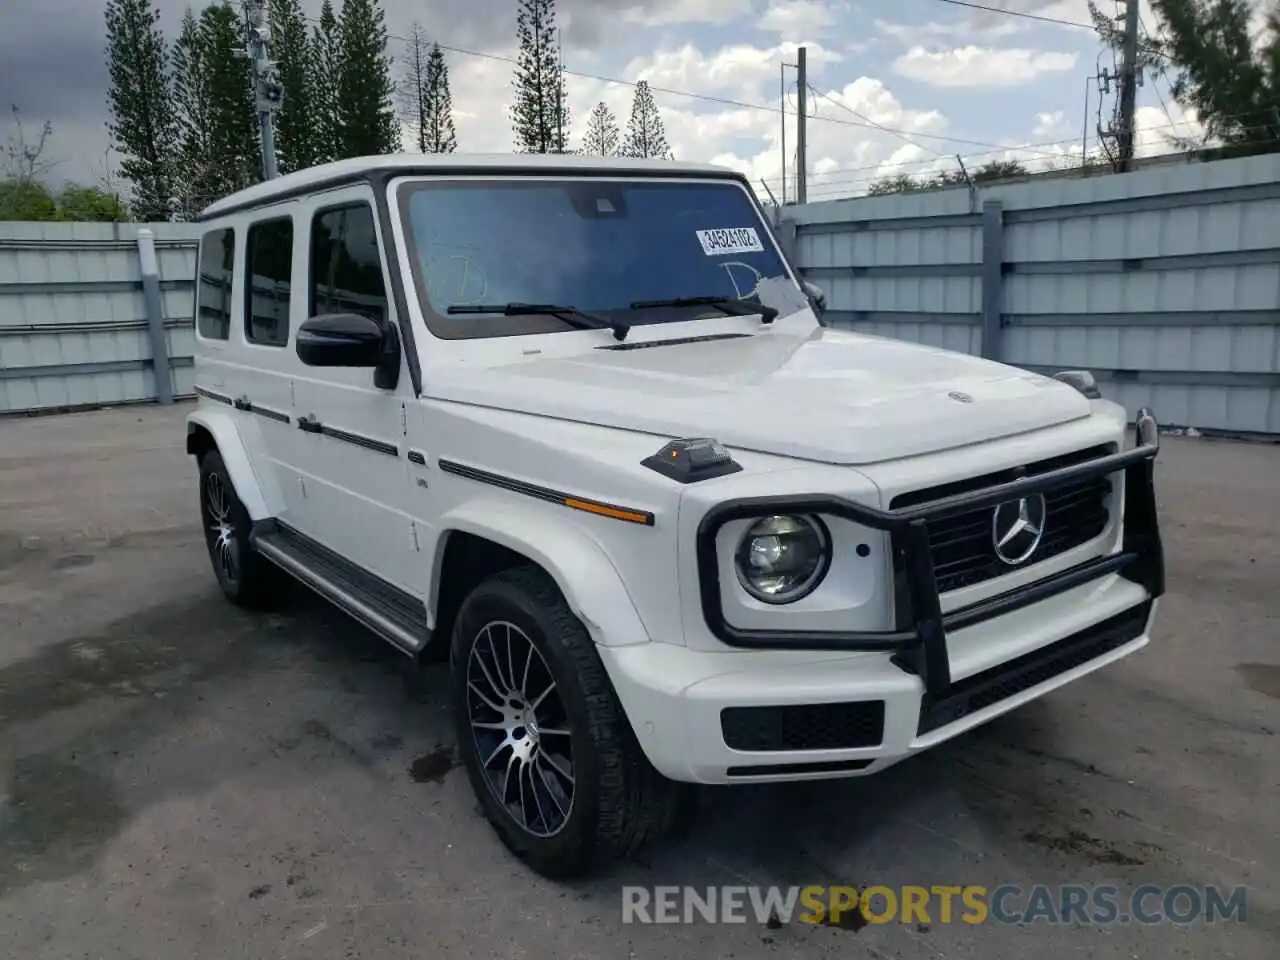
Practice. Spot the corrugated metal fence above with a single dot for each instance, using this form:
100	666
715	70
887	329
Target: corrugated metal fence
1165	283
80	320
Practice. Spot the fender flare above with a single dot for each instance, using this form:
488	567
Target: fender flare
226	437
587	578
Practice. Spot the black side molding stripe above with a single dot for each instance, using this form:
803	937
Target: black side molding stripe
210	395
267	412
574	502
309	424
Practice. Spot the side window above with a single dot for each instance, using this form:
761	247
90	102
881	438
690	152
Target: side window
213	283
346	266
269	263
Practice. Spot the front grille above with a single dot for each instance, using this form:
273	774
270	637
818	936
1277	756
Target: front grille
1009	679
961	546
811	726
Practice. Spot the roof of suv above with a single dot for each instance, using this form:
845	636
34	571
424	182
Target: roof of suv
357	168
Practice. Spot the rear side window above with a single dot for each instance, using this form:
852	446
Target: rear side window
270	260
213	285
346	267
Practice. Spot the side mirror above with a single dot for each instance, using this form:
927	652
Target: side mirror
345	340
817	298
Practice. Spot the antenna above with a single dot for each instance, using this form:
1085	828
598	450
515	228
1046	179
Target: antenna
267	89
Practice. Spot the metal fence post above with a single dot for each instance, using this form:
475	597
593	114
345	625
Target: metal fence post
155	316
992	278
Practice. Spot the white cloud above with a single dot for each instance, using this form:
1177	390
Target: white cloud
667	13
738	72
973	66
1048	124
800	19
963	29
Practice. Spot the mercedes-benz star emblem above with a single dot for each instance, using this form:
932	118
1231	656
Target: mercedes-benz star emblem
1017	527
960	397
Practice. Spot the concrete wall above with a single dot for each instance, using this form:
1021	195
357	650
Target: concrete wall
1165	282
75	325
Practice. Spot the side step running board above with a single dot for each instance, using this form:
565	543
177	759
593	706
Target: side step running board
396	616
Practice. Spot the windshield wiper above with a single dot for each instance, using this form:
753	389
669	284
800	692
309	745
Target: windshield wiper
734	306
579	319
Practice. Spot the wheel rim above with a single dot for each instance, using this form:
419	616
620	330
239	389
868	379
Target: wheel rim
520	728
222	542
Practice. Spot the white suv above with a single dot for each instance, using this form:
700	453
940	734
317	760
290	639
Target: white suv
576	424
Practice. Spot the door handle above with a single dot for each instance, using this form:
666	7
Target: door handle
309	424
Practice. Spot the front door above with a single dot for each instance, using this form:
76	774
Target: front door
357	479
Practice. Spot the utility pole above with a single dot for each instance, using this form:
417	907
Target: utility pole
267	90
1129	79
802	116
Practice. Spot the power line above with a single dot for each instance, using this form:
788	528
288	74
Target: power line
1039	18
844	106
722	101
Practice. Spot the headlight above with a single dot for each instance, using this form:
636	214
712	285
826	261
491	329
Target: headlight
783	559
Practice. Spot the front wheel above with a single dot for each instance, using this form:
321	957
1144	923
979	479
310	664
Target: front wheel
547	747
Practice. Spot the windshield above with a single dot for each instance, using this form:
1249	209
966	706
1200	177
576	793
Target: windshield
602	246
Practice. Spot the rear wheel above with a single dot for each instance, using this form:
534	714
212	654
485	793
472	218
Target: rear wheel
547	747
246	577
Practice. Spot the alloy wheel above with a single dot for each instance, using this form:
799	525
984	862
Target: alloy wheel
520	728
223	542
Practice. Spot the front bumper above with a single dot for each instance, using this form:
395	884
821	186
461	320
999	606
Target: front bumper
794	705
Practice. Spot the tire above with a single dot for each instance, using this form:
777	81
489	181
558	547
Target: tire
246	577
517	623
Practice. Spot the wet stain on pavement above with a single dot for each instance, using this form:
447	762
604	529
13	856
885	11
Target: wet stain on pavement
140	655
55	817
1078	843
433	766
71	561
1261	677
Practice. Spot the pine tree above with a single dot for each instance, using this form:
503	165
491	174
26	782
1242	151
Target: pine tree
326	64
297	144
191	115
441	136
413	84
367	121
602	134
646	136
540	114
142	124
218	138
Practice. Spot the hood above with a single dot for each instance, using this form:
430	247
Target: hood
817	394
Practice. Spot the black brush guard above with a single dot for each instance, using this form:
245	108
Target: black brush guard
919	637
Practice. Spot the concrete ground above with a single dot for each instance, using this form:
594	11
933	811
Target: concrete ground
180	779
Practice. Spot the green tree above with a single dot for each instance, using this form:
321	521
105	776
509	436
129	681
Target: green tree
425	95
326	69
142	126
26	200
540	113
646	136
297	145
602	136
218	141
367	121
441	136
90	204
1230	78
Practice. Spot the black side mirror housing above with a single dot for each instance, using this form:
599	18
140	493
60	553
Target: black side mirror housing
351	340
817	297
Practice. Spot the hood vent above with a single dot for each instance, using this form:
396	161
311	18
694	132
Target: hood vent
705	338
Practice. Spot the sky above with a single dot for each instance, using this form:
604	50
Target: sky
898	86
